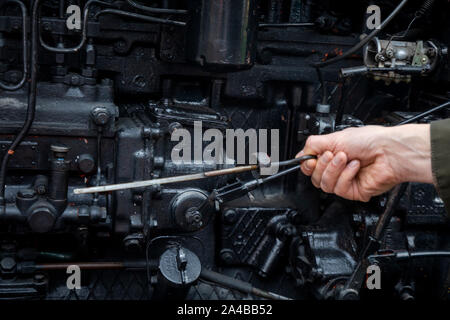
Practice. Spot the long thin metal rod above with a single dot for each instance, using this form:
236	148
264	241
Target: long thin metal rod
184	178
82	265
140	17
287	25
424	114
192	177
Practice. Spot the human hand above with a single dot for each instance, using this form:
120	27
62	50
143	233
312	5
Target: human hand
359	163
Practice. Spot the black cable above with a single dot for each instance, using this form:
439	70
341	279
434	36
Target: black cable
294	161
21	83
31	109
279	174
366	40
424	114
155	10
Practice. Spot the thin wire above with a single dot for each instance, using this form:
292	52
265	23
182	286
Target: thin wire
21	83
404	33
155	10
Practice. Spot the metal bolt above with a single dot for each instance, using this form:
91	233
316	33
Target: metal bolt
230	216
226	256
74	80
101	115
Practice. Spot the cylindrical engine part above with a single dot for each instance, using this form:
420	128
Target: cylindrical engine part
222	34
59	176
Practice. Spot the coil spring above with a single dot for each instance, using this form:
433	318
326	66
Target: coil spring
425	8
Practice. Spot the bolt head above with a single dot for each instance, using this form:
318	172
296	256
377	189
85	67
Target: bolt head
230	216
8	264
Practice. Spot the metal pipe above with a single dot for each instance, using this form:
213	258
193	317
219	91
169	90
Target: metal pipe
82	265
155	10
25	48
111	265
424	114
31	109
140	17
236	284
83	34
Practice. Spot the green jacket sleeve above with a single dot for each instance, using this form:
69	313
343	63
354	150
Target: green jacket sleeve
440	158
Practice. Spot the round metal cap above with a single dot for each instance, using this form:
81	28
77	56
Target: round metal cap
179	266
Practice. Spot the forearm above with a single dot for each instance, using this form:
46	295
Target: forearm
409	150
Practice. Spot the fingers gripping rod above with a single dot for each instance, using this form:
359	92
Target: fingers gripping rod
184	178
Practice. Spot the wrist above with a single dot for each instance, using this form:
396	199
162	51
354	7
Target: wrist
410	152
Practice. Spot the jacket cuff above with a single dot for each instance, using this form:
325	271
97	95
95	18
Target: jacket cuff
440	158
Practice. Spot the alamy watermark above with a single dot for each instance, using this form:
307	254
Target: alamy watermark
74	278
373	281
237	147
73	21
374	19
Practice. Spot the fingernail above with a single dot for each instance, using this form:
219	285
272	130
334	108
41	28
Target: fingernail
353	164
301	153
337	160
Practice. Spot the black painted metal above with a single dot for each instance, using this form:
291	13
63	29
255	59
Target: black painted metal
115	103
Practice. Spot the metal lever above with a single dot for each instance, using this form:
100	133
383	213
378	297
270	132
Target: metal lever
189	177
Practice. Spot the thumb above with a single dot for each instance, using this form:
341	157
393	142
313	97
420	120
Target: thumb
315	145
